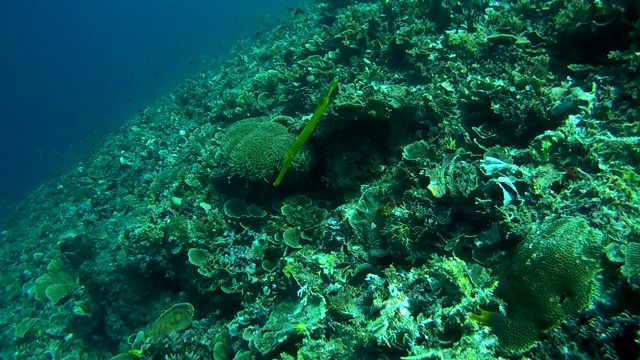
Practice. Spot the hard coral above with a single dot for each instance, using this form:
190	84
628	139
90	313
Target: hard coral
255	147
549	279
631	268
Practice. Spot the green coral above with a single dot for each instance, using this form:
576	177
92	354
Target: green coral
549	279
301	219
177	228
631	268
289	320
237	209
57	283
24	327
177	318
256	147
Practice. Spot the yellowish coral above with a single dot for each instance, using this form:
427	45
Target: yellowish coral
176	318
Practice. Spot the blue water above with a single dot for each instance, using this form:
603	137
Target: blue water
73	70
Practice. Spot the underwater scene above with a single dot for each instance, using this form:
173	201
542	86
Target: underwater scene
389	179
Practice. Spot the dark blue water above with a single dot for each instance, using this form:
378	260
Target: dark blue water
73	70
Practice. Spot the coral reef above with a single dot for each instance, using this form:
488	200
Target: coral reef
470	193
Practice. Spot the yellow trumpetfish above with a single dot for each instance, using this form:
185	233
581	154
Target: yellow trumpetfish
323	105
